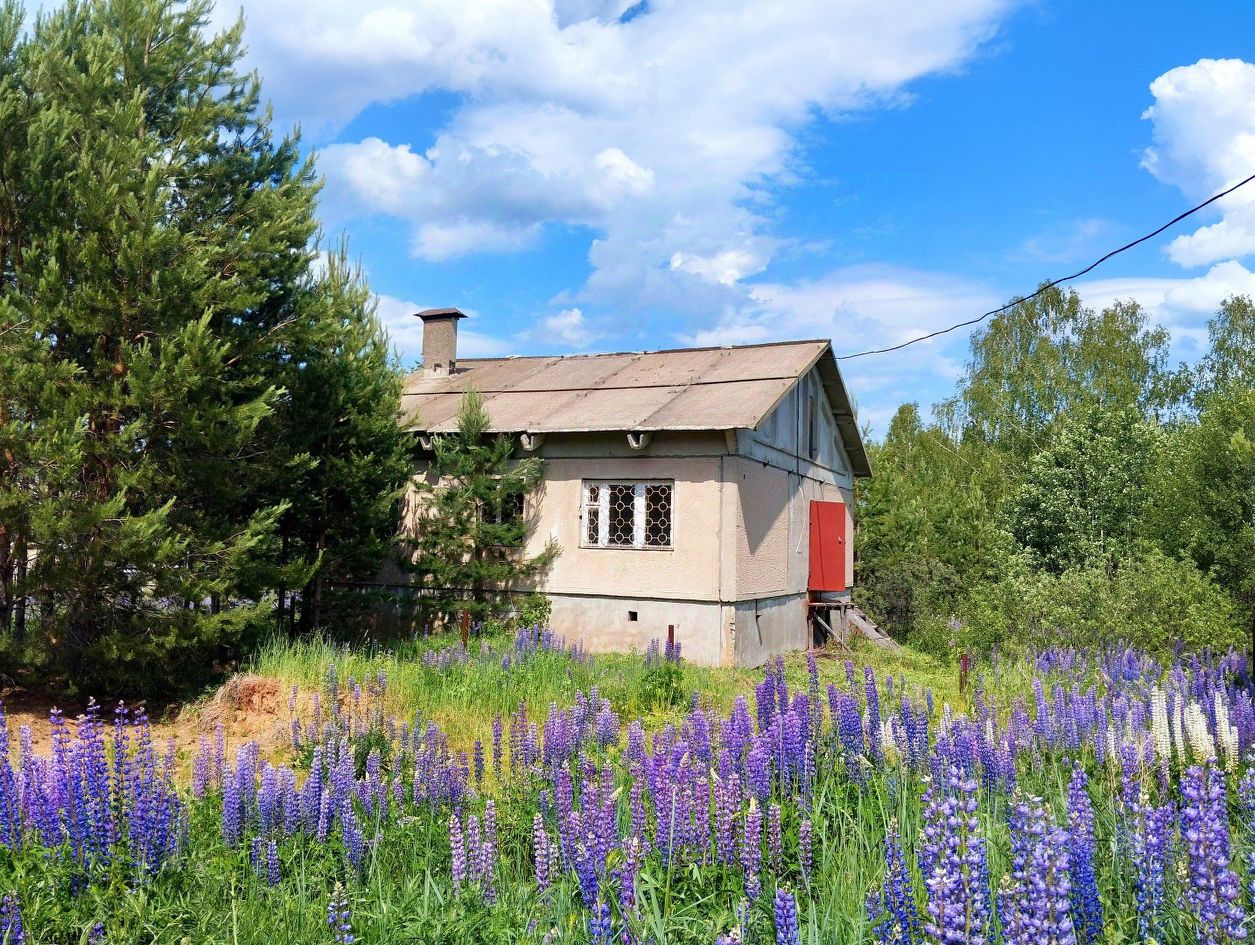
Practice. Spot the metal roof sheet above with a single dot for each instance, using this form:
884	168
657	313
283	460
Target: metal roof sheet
724	388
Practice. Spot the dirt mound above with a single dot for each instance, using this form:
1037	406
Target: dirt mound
248	707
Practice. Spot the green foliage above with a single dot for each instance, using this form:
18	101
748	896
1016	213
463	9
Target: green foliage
1153	602
662	685
1051	356
470	524
1064	495
1202	504
535	610
191	412
1230	358
927	523
1080	499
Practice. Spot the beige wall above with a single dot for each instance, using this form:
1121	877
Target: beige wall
773	527
689	570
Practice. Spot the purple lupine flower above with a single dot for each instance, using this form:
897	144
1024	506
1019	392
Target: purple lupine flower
1151	839
1214	891
775	837
606	726
352	836
752	850
478	756
874	751
805	851
1087	913
12	932
200	768
273	874
599	924
953	862
340	918
758	769
496	746
457	847
787	932
1036	899
96	935
892	912
540	848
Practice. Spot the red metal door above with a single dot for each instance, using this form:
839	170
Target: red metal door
827	558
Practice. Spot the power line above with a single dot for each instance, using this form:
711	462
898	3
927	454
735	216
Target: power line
1050	285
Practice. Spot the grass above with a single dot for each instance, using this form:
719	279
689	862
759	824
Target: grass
464	699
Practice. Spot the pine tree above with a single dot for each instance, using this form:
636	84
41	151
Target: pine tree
469	525
167	345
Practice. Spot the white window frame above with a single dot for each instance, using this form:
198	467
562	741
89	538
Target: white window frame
639	486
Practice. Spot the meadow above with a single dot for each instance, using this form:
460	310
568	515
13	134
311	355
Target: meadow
521	790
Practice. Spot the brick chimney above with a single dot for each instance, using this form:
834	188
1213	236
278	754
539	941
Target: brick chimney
440	340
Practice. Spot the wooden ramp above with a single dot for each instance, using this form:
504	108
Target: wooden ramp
837	622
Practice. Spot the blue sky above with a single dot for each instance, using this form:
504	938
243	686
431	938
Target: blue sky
713	171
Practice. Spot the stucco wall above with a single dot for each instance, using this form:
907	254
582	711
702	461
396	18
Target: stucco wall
762	528
689	570
772	514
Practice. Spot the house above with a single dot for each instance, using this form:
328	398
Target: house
705	489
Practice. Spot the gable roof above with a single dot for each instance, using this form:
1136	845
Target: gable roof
725	388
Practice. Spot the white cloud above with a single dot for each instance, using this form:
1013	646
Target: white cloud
1181	305
864	307
1066	242
662	134
568	326
1204	141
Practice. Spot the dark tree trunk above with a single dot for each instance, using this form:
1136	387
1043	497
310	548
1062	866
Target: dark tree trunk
7	567
19	605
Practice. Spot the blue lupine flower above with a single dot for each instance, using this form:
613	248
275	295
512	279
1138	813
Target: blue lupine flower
953	858
1035	902
892	913
1087	912
340	918
787	932
1213	892
12	932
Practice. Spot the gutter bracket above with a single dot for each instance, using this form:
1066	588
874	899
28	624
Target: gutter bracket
638	441
532	441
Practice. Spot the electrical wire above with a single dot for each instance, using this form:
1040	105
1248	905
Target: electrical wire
1050	285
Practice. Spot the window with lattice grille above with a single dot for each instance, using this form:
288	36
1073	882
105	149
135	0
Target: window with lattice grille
627	514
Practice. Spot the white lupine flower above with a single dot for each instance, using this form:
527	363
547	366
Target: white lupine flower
1159	725
1226	734
888	740
1113	744
1202	746
1178	729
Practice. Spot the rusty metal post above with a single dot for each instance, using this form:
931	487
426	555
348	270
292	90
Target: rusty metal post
671	637
965	666
466	629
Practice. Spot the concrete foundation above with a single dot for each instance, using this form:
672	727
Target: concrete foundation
606	624
745	633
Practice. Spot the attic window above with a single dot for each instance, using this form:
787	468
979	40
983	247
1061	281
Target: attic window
626	514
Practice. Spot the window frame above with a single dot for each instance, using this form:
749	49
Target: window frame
639	514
